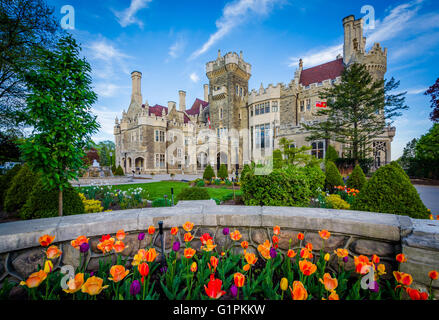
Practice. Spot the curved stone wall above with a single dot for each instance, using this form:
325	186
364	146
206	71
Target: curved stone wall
360	232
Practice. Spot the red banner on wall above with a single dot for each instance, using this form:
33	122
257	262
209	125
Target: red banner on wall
321	104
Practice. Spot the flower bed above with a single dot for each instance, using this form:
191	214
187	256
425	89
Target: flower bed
235	272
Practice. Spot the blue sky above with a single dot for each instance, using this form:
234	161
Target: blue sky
170	42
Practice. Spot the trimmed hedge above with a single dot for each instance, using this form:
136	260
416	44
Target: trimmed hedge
331	154
193	193
119	171
5	182
43	203
356	179
333	176
222	172
208	173
282	187
389	190
20	189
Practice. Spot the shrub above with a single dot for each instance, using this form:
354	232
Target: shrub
245	170
316	179
357	179
222	172
333	176
331	154
5	182
200	183
161	202
119	171
217	182
193	193
334	201
90	206
277	159
20	189
113	169
43	203
208	173
282	187
389	190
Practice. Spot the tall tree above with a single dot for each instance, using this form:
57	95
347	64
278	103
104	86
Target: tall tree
294	156
25	25
358	110
433	92
408	154
59	110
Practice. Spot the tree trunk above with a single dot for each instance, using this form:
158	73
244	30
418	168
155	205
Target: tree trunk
60	203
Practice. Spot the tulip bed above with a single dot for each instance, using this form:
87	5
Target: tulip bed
235	273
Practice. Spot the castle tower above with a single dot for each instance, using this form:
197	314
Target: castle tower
182	100
136	94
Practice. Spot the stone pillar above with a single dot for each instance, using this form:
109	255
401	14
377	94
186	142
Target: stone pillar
136	94
206	92
182	100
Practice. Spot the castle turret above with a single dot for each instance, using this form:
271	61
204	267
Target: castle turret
182	100
136	94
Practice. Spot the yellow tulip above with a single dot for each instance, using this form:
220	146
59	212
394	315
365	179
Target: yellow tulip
284	284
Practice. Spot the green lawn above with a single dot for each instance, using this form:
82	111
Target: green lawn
158	189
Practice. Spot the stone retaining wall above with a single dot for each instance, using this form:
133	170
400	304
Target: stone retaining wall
360	232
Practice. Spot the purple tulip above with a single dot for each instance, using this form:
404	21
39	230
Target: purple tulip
226	231
163	269
135	287
176	246
234	290
273	253
141	236
345	259
92	274
84	247
375	287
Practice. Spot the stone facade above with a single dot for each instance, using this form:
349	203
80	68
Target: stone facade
359	232
243	125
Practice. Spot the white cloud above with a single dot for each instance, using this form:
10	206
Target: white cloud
194	77
108	89
106	119
177	48
127	16
234	14
314	58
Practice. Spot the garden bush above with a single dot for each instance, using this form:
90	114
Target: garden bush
222	172
208	173
333	176
91	206
20	189
161	202
389	190
119	171
356	179
316	178
282	187
193	193
43	203
200	183
331	154
334	201
5	182
113	169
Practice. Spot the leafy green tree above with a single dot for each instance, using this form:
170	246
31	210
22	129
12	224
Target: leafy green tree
357	110
296	156
433	92
333	176
208	173
428	145
356	179
408	155
105	148
59	110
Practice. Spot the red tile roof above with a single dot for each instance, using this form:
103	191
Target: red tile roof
329	70
157	110
195	109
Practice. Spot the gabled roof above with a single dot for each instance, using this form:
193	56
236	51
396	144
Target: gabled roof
157	110
195	109
329	70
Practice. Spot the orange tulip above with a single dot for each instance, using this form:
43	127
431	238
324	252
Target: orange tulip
309	246
291	253
213	289
35	279
239	279
205	237
244	244
150	255
118	272
209	246
300	236
276	230
362	264
213	264
106	245
235	235
46	240
433	274
329	282
189	253
93	286
151	230
305	253
416	295
333	296
143	269
78	241
250	258
403	278
188	237
246	267
375	259
401	258
341	253
324	234
188	226
307	267
298	292
139	257
120	235
119	246
75	283
53	252
174	231
194	267
264	249
275	239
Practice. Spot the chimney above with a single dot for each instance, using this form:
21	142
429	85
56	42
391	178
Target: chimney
206	92
182	101
136	94
171	104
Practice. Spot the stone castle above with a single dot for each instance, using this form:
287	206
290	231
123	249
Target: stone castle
233	125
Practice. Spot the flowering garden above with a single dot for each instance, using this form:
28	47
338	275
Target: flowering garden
208	273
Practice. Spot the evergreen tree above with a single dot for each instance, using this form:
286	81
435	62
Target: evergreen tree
222	172
357	110
296	156
208	173
356	179
331	154
433	92
333	176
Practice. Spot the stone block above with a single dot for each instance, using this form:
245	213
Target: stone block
27	261
259	235
284	239
334	241
370	247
